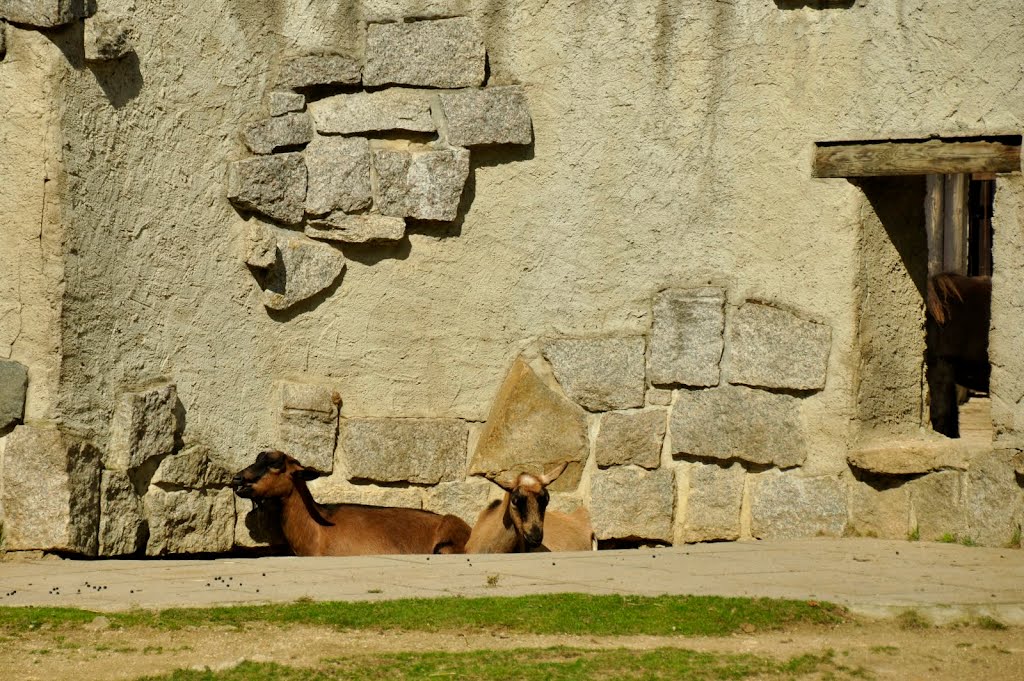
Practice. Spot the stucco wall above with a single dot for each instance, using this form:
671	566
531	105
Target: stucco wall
672	148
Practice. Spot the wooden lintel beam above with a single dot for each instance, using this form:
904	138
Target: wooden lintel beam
933	156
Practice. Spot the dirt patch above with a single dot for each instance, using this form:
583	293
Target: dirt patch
883	649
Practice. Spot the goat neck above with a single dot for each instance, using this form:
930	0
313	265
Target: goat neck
302	521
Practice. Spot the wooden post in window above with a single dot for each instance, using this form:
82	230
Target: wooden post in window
954	227
933	222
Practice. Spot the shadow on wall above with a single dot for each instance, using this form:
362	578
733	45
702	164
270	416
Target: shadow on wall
815	4
120	79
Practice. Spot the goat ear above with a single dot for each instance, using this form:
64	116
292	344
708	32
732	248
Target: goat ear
553	474
306	474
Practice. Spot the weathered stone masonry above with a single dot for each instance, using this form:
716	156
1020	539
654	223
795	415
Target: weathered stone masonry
355	182
441	247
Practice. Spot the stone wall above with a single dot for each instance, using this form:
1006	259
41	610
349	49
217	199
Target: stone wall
647	284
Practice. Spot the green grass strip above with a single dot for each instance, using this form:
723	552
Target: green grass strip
542	614
550	664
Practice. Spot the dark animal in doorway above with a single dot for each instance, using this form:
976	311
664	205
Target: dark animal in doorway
959	313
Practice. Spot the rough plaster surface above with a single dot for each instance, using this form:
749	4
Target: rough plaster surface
671	150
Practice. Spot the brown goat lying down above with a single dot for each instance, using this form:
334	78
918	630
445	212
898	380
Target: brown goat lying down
520	523
313	529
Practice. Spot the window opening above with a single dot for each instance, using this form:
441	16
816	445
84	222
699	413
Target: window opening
958	214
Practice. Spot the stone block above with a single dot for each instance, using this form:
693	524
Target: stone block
107	38
279	132
773	348
532	427
787	506
992	499
259	245
494	115
659	397
710	497
600	374
274	186
143	426
13	384
364	228
336	489
191	468
926	453
303	268
420	183
632	503
418	450
281	102
318	67
686	337
391	109
189	521
46	13
338	170
307	423
122	530
879	510
937	506
258	526
736	422
633	437
49	490
446	53
464	498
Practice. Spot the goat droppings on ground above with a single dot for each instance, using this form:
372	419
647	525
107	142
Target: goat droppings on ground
492	580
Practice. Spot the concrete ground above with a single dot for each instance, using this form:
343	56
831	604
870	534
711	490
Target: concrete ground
872	577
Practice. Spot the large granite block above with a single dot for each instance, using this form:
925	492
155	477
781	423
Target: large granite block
49	491
736	422
122	530
600	374
420	183
189	521
191	468
632	503
338	172
302	268
787	506
274	186
307	423
391	109
13	384
773	348
107	38
880	510
532	427
446	53
357	229
992	499
281	103
279	132
633	437
463	498
309	69
46	13
710	497
414	450
143	426
494	115
937	506
686	337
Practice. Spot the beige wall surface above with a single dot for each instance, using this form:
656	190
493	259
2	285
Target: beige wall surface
672	148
